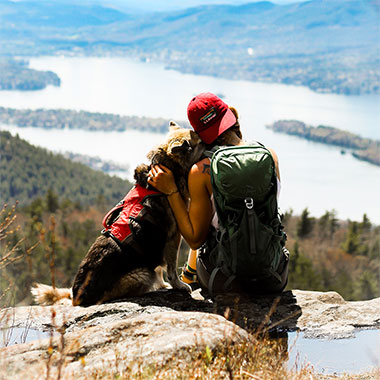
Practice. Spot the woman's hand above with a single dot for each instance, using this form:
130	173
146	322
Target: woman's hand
162	179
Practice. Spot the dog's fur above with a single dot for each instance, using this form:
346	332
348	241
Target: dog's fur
110	271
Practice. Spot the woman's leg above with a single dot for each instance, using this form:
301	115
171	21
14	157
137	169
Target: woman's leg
189	271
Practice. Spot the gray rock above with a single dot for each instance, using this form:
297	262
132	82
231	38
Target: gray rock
167	324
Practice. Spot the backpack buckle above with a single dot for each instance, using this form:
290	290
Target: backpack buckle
248	203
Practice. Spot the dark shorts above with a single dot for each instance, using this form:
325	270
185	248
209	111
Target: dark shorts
221	283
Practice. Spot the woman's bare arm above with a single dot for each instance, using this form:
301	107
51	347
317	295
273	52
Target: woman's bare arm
193	221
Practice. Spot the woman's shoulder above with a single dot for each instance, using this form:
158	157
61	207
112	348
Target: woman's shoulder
201	167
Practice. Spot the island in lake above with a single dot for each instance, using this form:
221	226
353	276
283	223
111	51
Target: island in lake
16	75
362	148
91	121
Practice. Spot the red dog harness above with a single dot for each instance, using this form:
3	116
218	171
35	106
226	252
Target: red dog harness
117	221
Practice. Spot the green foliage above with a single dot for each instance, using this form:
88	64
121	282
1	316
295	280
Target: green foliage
305	224
329	254
366	286
28	172
365	225
327	224
60	240
352	242
302	274
357	237
46	185
51	200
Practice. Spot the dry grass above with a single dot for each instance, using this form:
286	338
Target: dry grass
257	359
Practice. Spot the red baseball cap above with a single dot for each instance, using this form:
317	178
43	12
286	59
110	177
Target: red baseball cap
209	116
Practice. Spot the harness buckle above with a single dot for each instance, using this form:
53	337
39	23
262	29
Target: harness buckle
248	203
105	232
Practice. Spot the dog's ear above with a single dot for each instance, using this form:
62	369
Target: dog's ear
194	135
183	148
173	126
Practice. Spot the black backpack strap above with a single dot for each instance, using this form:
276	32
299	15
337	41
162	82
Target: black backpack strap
211	281
252	224
228	282
209	153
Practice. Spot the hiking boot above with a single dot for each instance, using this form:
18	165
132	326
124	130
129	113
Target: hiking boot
189	276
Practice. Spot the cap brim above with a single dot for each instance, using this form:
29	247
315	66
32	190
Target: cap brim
209	135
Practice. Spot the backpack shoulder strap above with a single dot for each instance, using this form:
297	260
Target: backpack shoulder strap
210	152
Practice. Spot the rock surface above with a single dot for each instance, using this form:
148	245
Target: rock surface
160	325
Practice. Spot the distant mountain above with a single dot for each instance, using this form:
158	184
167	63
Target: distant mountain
328	45
28	172
57	14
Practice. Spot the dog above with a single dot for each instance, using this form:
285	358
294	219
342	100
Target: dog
116	266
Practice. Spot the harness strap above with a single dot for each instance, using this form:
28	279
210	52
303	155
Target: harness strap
131	242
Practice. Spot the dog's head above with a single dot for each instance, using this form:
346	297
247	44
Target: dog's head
182	147
181	150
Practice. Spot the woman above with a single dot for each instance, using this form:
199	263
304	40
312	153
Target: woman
216	124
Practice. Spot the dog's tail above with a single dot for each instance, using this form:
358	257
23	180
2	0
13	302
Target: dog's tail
47	295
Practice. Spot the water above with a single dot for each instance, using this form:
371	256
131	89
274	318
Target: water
313	175
20	335
353	355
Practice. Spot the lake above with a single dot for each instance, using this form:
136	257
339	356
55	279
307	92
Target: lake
313	175
361	353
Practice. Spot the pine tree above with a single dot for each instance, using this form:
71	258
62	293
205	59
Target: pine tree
52	203
305	224
352	243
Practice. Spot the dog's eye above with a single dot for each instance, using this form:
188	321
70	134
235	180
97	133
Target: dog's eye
185	147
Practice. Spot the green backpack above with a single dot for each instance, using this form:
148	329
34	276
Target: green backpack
249	243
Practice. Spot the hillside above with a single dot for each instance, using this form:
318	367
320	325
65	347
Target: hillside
28	172
329	46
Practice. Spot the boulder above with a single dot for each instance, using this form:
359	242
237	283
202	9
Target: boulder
166	324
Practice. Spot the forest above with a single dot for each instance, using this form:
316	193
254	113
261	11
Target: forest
54	208
28	172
